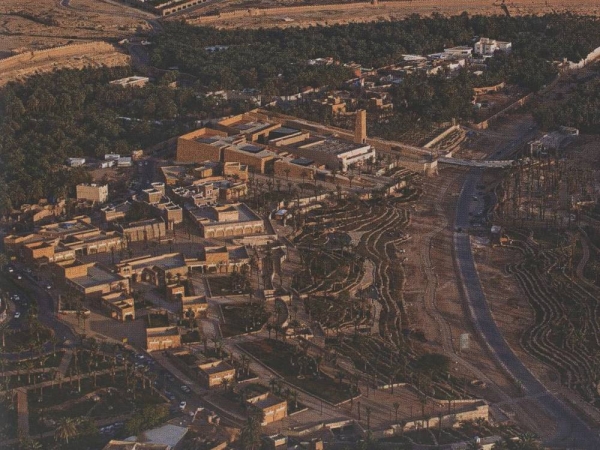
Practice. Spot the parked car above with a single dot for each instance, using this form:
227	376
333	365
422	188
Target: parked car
182	405
186	389
17	315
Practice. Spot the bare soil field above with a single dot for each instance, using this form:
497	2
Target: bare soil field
26	26
254	14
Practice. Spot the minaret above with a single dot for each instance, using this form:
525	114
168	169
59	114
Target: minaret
360	128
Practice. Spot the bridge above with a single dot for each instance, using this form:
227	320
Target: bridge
482	164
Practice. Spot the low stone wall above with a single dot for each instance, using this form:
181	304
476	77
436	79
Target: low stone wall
56	52
441	136
486	123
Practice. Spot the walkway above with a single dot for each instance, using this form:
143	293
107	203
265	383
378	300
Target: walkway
65	362
22	412
486	164
572	431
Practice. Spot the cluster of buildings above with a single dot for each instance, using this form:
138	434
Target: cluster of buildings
268	145
110	160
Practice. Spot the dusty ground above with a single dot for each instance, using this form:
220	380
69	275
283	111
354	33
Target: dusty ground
339	14
26	25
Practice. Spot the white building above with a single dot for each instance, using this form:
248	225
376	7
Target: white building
487	46
459	51
76	162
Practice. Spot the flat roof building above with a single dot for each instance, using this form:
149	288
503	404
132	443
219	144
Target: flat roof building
161	338
212	374
228	220
97	193
90	279
120	306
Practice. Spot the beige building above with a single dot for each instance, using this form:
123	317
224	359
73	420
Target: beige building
97	193
253	126
256	157
120	306
161	338
212	374
197	304
143	230
221	259
159	270
90	279
235	170
204	144
228	220
273	407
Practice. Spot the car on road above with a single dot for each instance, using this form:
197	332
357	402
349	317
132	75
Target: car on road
17	315
185	389
182	405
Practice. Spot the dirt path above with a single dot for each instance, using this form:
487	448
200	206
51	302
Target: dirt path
235	15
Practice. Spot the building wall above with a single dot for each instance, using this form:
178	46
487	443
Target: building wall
255	163
154	230
189	150
232	169
159	341
239	229
95	193
296	171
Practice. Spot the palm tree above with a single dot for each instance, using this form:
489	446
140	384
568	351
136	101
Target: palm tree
67	429
250	436
27	443
396	408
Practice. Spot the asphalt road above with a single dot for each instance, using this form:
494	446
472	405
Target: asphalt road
572	431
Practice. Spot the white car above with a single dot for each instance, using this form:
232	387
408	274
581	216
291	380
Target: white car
17	315
182	405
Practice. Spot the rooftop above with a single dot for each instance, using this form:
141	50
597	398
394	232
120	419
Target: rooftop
215	367
167	434
96	275
165	262
209	213
327	145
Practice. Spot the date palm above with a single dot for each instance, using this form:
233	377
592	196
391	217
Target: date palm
67	429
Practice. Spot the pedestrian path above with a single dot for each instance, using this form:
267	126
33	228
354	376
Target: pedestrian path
65	362
22	412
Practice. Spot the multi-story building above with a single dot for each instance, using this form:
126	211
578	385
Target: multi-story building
97	193
255	156
90	279
228	220
120	306
330	152
487	46
162	338
212	374
254	127
204	144
221	259
112	213
143	230
272	407
158	270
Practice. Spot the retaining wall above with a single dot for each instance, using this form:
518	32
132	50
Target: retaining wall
56	52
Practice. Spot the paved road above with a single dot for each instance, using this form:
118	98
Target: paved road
572	431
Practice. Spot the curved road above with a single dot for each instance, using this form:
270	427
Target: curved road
572	431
